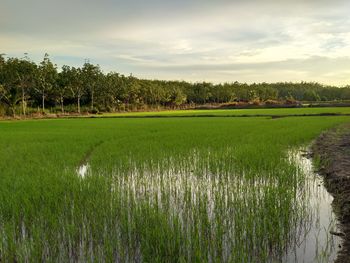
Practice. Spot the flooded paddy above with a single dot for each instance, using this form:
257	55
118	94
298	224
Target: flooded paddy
83	170
164	190
192	184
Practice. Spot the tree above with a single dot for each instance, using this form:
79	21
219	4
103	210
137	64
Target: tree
178	97
311	95
200	92
133	91
111	90
63	85
153	92
19	74
11	97
2	60
76	84
47	78
22	82
2	92
90	76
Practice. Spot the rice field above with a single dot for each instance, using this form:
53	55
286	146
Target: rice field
234	112
161	190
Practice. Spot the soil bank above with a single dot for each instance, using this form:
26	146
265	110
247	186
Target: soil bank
332	153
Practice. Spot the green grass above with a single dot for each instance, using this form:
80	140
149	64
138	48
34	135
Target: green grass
158	190
234	112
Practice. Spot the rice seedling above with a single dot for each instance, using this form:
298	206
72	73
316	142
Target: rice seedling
234	112
158	190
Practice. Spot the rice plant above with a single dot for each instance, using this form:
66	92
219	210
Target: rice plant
156	190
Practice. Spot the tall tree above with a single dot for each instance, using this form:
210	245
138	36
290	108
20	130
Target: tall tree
63	85
20	74
47	78
133	90
11	97
76	84
90	76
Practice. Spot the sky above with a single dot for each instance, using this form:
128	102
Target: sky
193	40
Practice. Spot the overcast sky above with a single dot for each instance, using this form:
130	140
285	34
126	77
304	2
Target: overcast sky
194	40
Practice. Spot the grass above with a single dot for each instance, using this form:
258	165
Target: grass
157	190
234	112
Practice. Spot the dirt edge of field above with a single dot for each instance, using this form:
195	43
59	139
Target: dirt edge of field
331	152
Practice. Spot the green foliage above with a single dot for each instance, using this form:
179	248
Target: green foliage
89	87
17	77
46	79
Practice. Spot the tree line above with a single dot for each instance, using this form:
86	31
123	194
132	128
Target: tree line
27	87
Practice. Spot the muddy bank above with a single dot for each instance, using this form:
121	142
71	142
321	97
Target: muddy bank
332	150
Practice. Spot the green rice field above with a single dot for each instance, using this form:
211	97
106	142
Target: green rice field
162	189
234	112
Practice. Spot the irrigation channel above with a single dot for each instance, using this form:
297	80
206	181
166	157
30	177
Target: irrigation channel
312	239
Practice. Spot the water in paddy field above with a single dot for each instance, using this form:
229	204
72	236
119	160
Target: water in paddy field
83	170
315	243
188	189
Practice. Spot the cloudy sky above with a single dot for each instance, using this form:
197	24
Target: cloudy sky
194	40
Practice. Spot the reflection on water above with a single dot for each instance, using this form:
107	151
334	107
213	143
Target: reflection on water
83	170
315	243
246	217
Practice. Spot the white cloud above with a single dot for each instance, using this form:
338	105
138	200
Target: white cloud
192	40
